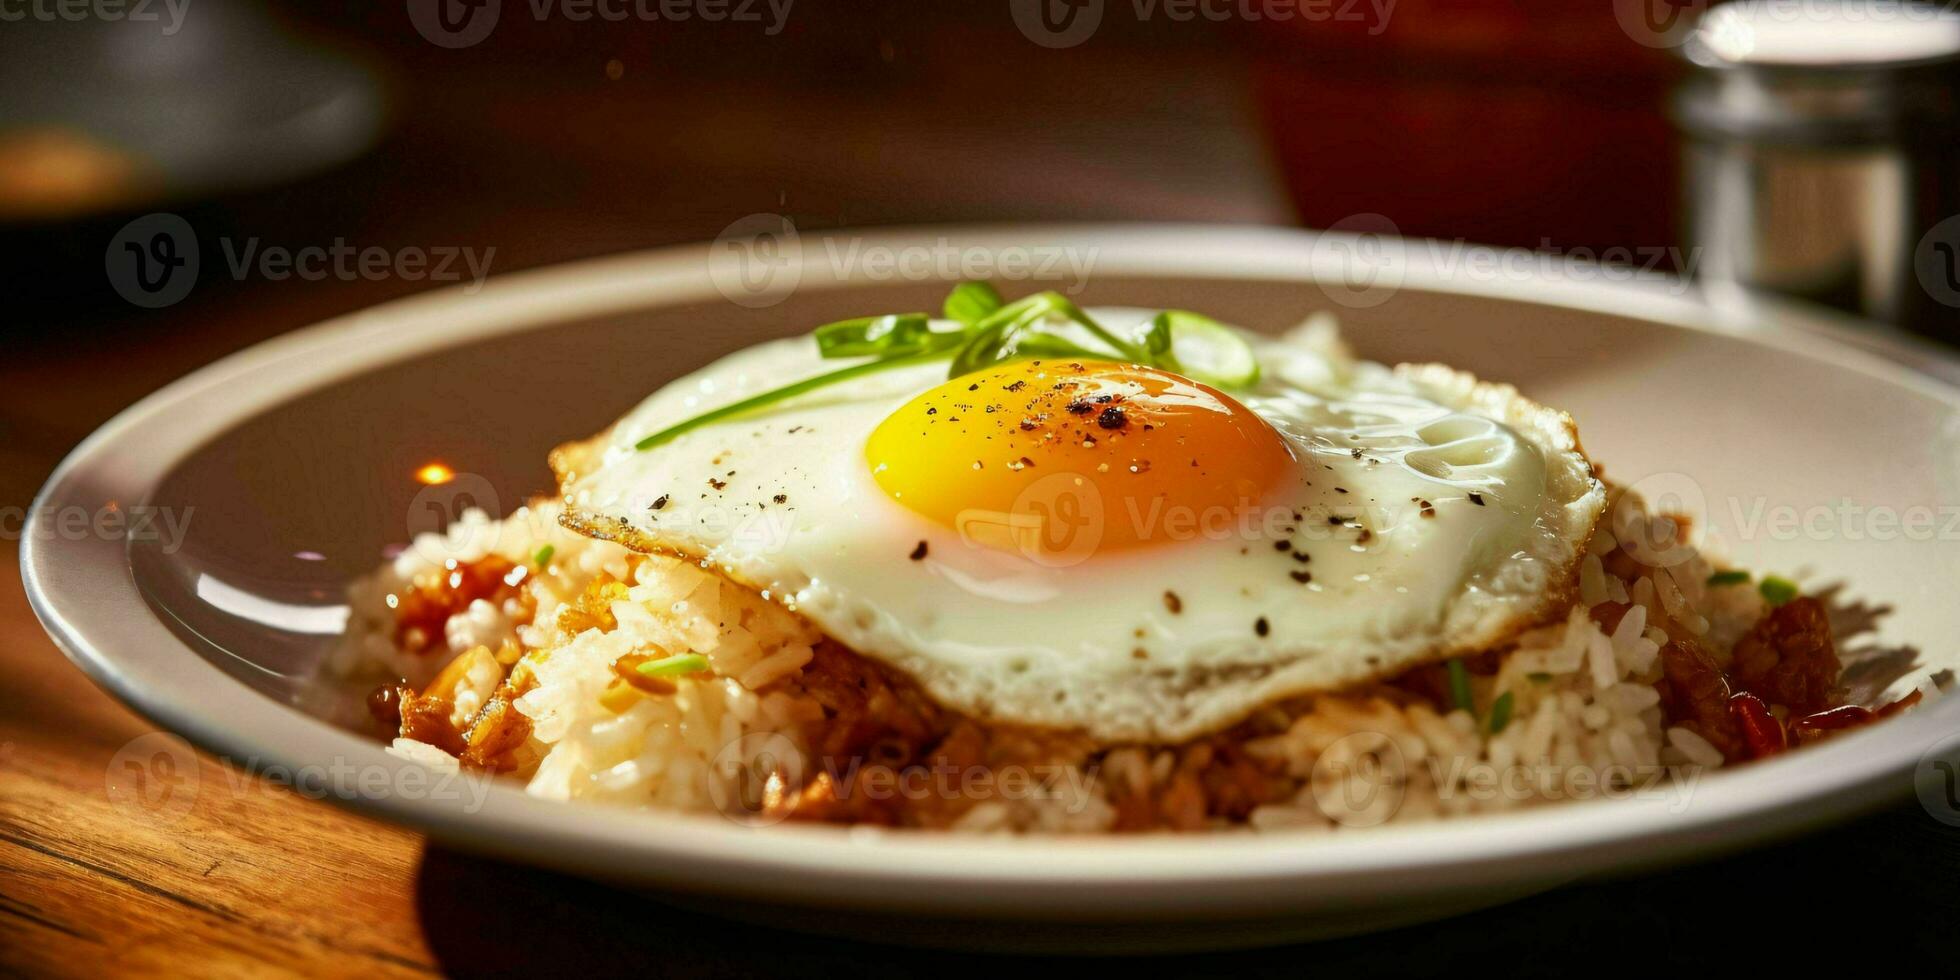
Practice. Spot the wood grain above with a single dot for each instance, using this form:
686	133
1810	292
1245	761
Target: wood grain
237	885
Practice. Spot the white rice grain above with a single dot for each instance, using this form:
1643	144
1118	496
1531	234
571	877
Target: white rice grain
1592	581
1694	747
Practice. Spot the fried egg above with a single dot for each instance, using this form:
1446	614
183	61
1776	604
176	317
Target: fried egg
1112	548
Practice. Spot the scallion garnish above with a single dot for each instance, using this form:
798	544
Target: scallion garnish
971	302
674	666
881	336
788	391
1777	591
1207	349
990	331
1500	713
543	557
1732	576
1460	687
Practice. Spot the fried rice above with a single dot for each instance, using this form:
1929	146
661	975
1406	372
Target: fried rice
513	645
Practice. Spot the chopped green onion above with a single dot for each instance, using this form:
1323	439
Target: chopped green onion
1777	590
1732	576
1157	340
1208	350
674	666
1460	687
971	302
789	391
866	336
994	337
1539	677
1500	713
1002	334
1059	305
1049	345
543	557
993	332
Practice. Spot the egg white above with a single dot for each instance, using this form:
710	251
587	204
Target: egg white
1475	501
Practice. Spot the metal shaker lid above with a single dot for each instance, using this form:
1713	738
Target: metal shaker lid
1828	72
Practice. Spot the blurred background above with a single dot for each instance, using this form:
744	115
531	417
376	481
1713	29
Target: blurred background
529	132
555	130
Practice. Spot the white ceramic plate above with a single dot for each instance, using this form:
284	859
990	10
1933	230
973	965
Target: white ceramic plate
291	461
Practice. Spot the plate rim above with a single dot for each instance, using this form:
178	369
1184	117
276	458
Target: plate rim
141	663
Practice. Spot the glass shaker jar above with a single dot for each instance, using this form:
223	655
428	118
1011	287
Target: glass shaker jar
1822	156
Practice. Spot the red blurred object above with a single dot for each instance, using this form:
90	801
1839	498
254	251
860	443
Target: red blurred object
1510	122
1760	729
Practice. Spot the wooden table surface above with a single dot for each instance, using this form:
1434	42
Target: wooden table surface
561	161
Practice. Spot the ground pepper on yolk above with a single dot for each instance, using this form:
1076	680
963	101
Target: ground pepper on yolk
1056	440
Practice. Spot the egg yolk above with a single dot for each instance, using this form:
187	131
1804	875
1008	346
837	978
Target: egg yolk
1063	459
